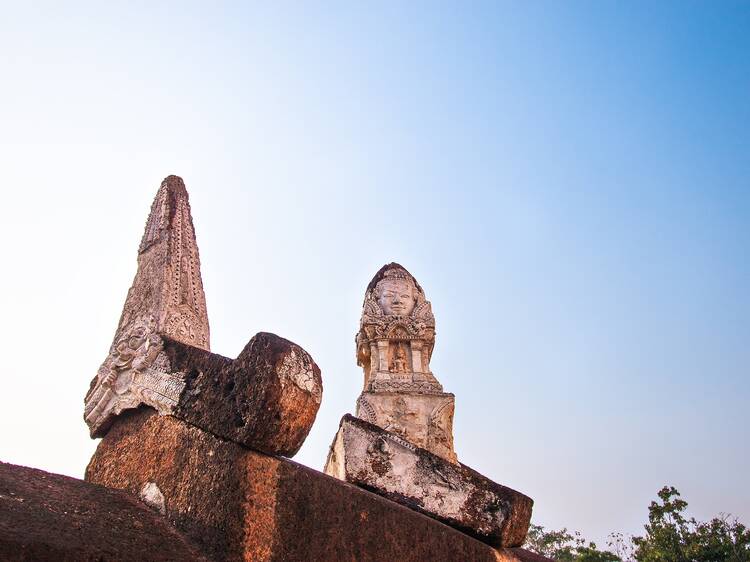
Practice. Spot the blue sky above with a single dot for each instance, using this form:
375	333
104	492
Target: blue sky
569	182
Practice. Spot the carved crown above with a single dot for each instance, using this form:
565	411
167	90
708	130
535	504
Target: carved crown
375	324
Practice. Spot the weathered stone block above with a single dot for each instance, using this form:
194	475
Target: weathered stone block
52	518
383	462
238	504
266	399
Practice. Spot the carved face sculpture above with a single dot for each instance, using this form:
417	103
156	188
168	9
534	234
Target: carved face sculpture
128	347
396	296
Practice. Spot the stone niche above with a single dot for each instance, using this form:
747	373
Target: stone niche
394	347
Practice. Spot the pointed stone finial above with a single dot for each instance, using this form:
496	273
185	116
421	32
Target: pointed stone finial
168	285
394	347
166	298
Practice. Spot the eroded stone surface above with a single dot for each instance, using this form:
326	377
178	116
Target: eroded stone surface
238	504
365	455
394	348
52	518
166	298
427	417
266	399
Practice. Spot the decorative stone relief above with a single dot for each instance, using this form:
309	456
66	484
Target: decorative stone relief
166	298
400	445
135	372
394	347
397	333
265	399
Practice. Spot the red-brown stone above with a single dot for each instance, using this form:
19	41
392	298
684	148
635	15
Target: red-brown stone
238	504
266	399
51	518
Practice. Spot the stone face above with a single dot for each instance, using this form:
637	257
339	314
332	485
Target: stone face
237	504
166	298
394	347
365	455
51	518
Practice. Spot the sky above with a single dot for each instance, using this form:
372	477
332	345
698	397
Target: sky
568	181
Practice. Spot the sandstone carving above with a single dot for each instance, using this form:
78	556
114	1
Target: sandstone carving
166	298
267	398
394	347
400	445
365	455
135	372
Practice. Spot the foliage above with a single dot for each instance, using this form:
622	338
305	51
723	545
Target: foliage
564	546
670	537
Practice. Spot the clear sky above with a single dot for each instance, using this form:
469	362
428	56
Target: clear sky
568	181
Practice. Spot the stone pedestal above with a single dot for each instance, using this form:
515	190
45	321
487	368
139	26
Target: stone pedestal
423	419
387	464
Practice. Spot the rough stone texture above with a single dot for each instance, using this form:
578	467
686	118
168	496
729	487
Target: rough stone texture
428	417
365	455
166	298
394	347
266	399
238	504
47	517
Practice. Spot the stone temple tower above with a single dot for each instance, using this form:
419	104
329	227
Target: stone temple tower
394	346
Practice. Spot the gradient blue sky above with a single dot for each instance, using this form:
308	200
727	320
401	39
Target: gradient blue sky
569	182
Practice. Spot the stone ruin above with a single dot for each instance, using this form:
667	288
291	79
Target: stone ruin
266	399
190	464
400	445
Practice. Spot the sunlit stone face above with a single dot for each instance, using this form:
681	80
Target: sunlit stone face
396	296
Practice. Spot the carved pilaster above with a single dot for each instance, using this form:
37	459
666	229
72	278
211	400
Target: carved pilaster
416	355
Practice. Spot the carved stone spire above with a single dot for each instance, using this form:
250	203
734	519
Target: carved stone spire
166	298
394	347
168	286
